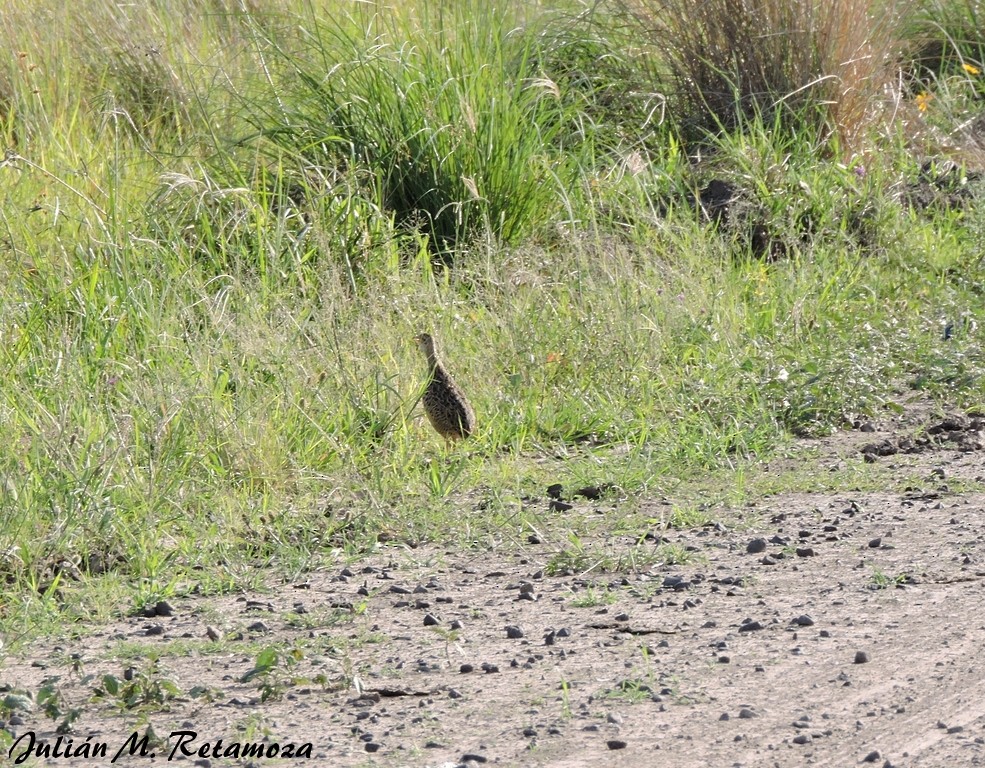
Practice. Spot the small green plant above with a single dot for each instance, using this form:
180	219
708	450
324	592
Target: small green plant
321	618
450	637
882	580
273	667
443	476
568	561
565	699
677	554
138	689
14	701
688	517
50	700
593	597
632	691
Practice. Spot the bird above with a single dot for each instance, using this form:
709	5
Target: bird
445	404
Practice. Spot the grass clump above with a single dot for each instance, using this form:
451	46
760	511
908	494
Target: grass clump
455	129
822	64
948	35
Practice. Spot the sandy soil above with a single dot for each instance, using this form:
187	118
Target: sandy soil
808	629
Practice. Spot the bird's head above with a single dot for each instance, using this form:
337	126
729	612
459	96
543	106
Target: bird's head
425	342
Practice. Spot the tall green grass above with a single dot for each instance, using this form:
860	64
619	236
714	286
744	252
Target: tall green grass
454	129
216	260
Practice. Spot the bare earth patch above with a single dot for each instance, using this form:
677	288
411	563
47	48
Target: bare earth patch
804	629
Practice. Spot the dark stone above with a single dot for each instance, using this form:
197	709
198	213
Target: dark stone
805	552
616	744
755	546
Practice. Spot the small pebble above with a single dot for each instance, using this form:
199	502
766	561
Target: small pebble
805	552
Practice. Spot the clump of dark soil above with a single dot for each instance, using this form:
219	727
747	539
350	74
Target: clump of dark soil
943	185
956	432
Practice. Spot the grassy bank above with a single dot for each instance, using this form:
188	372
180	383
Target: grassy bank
222	228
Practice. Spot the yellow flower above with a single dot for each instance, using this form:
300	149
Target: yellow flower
971	69
924	99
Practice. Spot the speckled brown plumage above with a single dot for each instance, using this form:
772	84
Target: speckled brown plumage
445	404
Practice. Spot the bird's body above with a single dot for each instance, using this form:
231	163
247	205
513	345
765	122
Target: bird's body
445	404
